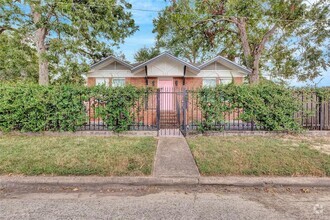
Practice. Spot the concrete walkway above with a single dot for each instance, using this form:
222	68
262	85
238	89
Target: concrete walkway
174	158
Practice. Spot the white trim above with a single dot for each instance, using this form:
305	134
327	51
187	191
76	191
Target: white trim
167	55
118	78
220	73
93	66
104	79
111	73
209	78
225	61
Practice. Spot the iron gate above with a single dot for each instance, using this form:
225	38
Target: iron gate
172	111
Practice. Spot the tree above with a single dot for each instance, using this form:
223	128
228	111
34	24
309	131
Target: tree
70	32
18	60
187	43
286	38
145	54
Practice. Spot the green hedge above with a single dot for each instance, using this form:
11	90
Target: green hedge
34	108
268	105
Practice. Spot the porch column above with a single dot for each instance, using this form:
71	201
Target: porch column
184	75
146	77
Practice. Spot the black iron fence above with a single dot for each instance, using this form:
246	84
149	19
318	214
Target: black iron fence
172	111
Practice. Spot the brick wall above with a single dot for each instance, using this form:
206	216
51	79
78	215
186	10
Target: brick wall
194	82
136	81
141	81
238	80
191	82
90	81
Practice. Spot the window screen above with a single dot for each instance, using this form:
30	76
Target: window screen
225	80
118	82
209	82
102	81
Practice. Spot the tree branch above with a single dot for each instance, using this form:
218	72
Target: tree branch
241	25
265	38
5	28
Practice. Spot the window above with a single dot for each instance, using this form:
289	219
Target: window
209	82
102	81
118	82
226	81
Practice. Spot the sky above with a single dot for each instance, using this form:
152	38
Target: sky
146	11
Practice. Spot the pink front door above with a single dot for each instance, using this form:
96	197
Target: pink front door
166	94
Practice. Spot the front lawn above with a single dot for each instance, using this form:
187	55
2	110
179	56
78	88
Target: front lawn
76	155
282	156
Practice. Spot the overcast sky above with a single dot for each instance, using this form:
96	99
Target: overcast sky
147	11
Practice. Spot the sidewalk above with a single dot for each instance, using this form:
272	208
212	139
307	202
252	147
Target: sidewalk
174	158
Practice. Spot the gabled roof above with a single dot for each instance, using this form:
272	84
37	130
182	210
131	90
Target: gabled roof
134	67
168	55
115	59
225	62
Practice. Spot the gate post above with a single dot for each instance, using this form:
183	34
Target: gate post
320	113
158	111
184	111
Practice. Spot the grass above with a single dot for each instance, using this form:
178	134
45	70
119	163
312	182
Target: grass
106	156
259	156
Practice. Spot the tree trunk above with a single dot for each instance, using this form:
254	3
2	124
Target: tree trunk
43	62
252	60
254	75
241	25
40	37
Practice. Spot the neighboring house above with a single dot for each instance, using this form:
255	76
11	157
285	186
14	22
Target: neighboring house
166	70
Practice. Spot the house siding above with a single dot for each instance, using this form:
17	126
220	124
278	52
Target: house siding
141	81
194	82
190	82
91	81
238	80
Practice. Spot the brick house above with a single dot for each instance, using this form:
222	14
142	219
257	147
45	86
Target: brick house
170	74
166	70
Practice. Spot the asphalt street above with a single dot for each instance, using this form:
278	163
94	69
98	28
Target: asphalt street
165	203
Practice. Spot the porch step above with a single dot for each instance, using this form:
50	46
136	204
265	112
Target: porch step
168	119
169	126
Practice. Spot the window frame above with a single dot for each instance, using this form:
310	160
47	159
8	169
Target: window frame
210	78
105	81
118	78
230	80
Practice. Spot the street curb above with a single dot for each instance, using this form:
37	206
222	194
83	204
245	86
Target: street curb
266	181
95	180
230	181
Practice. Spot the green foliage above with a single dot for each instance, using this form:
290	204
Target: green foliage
77	33
268	105
284	38
322	92
18	60
178	33
115	105
145	54
30	107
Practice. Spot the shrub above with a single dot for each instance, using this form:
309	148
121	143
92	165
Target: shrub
30	107
268	105
34	108
115	105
